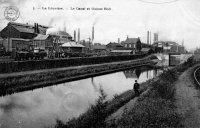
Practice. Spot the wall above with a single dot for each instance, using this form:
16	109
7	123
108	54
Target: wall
16	66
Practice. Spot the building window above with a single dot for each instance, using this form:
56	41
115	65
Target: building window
126	45
129	45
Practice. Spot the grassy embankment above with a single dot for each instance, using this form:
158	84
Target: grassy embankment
154	109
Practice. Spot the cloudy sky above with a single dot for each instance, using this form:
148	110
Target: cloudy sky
176	20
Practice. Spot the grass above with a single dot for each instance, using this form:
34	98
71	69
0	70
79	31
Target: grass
94	116
154	109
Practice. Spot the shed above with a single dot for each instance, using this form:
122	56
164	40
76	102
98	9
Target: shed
147	50
43	41
72	47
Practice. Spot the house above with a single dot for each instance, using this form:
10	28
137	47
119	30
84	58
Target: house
114	46
132	44
23	31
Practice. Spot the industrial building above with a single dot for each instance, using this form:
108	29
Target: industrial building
170	46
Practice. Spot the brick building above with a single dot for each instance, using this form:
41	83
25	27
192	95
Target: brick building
132	44
23	31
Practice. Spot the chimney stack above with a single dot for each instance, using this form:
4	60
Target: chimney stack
118	40
78	35
36	29
92	34
75	35
150	38
147	37
155	37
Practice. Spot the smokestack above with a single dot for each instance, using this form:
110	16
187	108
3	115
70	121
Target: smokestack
118	40
92	33
150	38
147	37
75	35
156	36
78	35
35	28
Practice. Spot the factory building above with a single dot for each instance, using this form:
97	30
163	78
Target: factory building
169	46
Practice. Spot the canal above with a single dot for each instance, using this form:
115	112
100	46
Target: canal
41	107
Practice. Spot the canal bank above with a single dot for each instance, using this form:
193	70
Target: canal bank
21	81
155	108
41	107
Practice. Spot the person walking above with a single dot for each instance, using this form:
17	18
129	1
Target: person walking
136	87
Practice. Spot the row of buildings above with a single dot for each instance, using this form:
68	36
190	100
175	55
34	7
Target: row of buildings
19	37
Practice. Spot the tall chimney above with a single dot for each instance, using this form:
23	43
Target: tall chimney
150	38
75	35
38	28
92	34
78	35
156	36
147	37
118	40
35	28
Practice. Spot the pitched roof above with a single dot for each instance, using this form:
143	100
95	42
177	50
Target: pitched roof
24	29
63	33
131	40
99	47
145	49
72	44
41	37
114	44
27	28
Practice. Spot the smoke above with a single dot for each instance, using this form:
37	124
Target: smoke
56	24
95	21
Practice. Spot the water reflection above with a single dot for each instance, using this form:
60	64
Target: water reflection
41	107
142	73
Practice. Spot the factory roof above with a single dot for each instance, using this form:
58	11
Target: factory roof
41	37
27	28
72	44
99	47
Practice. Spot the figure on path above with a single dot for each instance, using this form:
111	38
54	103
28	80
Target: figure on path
136	87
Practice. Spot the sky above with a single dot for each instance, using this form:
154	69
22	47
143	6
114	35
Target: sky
174	20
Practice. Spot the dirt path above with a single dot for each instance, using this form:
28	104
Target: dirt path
187	100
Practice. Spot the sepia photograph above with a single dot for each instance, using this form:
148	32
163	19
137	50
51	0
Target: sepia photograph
99	64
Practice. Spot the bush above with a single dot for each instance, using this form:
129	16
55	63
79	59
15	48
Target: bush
94	116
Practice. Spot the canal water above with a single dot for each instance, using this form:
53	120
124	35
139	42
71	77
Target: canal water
40	108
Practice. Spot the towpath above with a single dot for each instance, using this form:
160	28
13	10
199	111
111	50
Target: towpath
188	99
